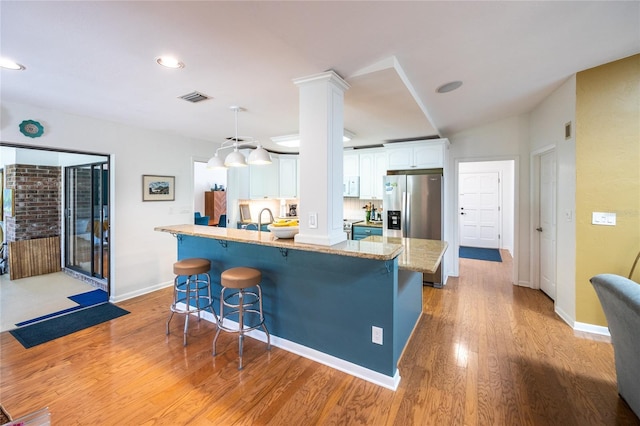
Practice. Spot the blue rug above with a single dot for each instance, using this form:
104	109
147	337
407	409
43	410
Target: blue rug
90	298
83	300
492	255
45	331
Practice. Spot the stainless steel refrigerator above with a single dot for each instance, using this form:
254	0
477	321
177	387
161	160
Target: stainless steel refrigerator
412	206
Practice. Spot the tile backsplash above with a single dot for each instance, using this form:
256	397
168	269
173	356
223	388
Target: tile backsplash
353	207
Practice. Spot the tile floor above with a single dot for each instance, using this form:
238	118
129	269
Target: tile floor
28	298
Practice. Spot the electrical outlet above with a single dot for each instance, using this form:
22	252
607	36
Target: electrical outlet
313	220
602	218
376	334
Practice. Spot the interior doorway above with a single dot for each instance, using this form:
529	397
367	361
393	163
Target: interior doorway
486	204
31	298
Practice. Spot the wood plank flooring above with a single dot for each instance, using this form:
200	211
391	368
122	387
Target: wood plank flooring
485	353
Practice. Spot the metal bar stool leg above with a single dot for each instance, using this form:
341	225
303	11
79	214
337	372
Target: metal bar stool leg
189	291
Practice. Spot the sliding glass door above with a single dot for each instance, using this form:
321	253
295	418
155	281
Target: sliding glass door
86	219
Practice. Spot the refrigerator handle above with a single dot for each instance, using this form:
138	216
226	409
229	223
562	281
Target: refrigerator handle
407	214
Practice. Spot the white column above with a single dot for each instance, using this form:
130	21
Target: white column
321	131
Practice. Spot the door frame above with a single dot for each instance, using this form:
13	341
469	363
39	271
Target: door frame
534	215
516	210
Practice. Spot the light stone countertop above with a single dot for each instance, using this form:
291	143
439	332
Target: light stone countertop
419	255
375	250
370	224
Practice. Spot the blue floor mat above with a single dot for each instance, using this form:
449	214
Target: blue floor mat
54	328
90	298
492	255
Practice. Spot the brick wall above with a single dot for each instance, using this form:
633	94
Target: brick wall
37	197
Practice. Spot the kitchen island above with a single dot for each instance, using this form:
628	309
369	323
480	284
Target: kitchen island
321	302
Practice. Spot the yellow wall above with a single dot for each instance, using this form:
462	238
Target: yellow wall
607	176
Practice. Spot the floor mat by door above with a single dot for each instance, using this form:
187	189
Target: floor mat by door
492	255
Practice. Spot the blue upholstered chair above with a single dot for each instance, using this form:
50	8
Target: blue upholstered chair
620	299
202	220
222	223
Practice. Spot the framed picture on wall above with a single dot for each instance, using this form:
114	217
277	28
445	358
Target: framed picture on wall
158	188
7	202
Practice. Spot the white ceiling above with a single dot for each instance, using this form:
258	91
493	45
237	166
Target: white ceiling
98	59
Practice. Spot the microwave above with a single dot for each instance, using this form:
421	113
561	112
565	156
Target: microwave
351	186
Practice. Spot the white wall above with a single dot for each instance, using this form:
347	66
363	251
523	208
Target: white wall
506	139
505	170
547	130
142	259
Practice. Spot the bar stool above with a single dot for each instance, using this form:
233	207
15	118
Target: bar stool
246	305
187	287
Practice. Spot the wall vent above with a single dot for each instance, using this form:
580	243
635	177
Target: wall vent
194	97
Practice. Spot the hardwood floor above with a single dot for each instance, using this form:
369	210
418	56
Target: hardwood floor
484	353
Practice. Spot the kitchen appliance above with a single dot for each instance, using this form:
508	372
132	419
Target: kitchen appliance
347	225
351	186
413	209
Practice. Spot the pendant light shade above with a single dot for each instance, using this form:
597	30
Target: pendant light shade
215	162
259	156
236	159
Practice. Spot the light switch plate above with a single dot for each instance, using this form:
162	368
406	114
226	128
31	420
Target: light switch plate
603	218
313	220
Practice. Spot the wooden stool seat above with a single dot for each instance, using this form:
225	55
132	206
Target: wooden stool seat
240	277
193	266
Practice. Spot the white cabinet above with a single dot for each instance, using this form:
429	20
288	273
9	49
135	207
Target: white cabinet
428	154
264	179
351	164
373	166
288	176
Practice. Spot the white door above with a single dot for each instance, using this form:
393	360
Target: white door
479	209
547	224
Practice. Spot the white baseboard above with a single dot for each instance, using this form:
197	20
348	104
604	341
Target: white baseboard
564	316
130	295
590	328
389	382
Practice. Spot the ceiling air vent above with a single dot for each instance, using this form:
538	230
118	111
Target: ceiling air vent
194	97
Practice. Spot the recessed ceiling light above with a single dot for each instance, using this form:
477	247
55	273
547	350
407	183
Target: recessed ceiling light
449	87
169	62
8	64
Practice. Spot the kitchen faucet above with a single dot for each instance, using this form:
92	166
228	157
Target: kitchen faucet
260	217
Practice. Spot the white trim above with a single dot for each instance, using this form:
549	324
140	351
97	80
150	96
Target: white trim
140	292
564	316
590	328
374	377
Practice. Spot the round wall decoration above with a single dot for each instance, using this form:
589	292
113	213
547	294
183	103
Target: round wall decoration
31	128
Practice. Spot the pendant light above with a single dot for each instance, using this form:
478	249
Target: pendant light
259	156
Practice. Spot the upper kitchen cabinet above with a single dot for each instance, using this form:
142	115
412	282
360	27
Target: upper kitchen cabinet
373	166
428	154
264	179
351	164
288	176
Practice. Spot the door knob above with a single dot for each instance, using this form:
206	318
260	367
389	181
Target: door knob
539	229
